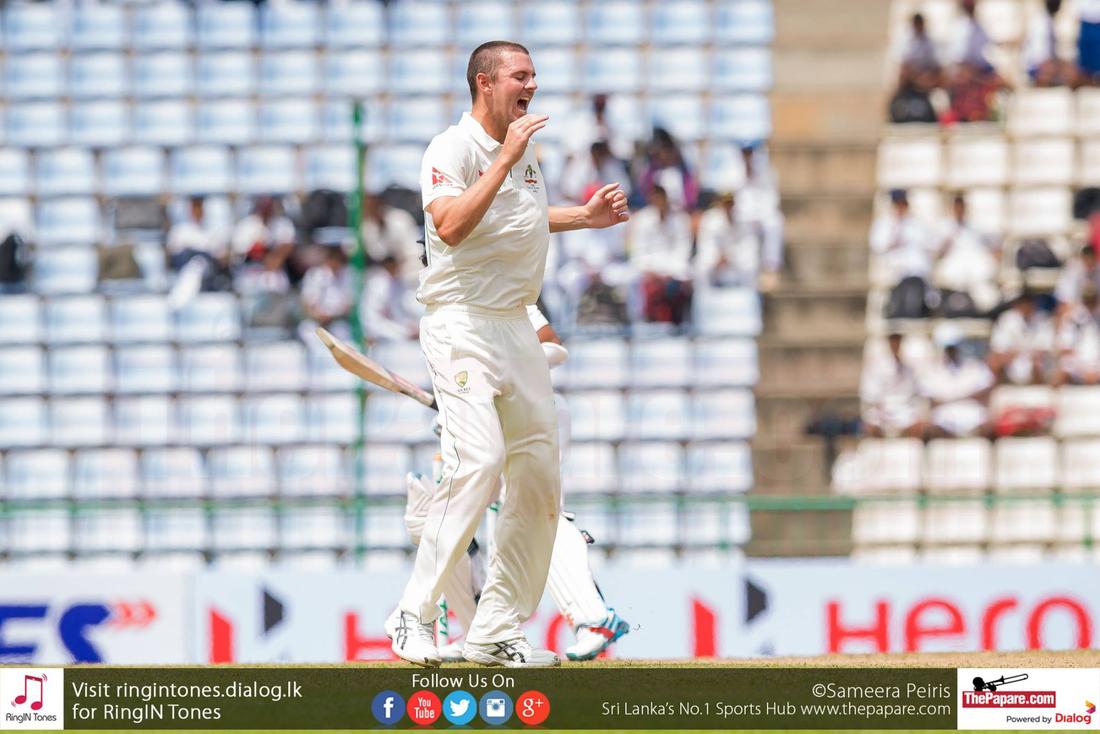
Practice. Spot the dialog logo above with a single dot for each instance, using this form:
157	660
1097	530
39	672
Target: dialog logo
32	698
459	708
496	707
388	707
424	708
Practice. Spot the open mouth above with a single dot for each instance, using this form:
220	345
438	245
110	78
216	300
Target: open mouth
522	104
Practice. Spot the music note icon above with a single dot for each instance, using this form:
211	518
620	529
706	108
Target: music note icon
21	699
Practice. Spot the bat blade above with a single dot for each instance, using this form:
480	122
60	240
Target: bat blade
367	369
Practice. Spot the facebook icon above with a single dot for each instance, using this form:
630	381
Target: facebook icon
388	707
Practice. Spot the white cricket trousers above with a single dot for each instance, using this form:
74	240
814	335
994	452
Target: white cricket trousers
496	408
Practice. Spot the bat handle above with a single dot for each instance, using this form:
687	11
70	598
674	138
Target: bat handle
434	406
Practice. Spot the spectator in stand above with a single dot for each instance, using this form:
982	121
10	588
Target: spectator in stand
728	248
1022	343
919	54
967	263
758	207
327	295
1079	341
659	243
1088	40
904	249
957	387
888	393
262	244
387	312
666	168
591	125
15	253
199	256
1041	51
972	81
1078	274
585	173
392	232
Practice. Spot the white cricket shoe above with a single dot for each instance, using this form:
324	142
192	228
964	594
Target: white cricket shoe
516	653
412	641
452	652
592	639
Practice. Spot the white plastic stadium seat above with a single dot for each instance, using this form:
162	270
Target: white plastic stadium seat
422	24
20	319
679	70
385	466
725	363
213	367
907	162
168	122
336	122
597	415
45	530
416	71
273	419
209	317
680	21
958	464
32	26
597	363
315	527
1022	521
82	421
133	171
166	74
1040	211
36	124
23	422
244	527
974	160
745	22
38	474
178	528
99	473
1023	396
986	209
1038	161
288	73
649	524
590	467
290	25
98	26
1078	412
1088	166
312	470
385	527
742	69
201	170
354	73
352	24
100	124
885	522
226	122
395	164
1025	464
65	270
226	74
149	420
720	467
275	366
404	358
288	121
740	117
226	25
267	169
333	418
1042	112
662	414
615	22
15	176
612	68
683	115
68	221
329	167
162	25
1080	465
33	76
22	371
139	318
208	420
956	521
551	22
888	466
146	369
84	369
723	414
76	319
483	19
650	467
65	171
660	362
728	312
412	119
98	75
392	417
172	472
241	471
1088	112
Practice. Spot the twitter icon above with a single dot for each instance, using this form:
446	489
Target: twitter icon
459	707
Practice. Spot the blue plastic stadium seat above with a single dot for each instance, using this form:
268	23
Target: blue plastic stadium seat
650	467
23	371
744	117
39	473
172	472
20	319
289	25
681	114
597	415
555	69
723	414
612	69
226	122
211	367
267	170
148	368
685	69
329	167
288	73
167	122
65	171
80	370
744	21
209	317
720	467
226	74
165	74
75	319
354	73
36	124
743	69
551	22
418	71
333	418
419	24
68	221
99	124
80	421
65	270
137	318
273	419
680	21
312	470
33	26
133	171
289	121
226	25
208	420
103	473
33	76
162	25
23	422
616	22
14	173
98	26
416	118
482	20
201	170
397	164
98	75
659	414
386	466
355	24
149	420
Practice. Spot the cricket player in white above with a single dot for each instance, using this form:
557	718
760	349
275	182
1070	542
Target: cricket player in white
486	236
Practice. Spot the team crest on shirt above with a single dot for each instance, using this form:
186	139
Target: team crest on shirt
530	178
460	379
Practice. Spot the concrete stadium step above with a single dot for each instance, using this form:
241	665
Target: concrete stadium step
839	116
826	314
801	532
790	466
809	168
842	23
828	265
825	367
784	416
817	218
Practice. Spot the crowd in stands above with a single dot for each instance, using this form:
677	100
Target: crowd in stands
954	78
289	257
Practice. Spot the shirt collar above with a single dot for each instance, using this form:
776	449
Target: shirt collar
474	129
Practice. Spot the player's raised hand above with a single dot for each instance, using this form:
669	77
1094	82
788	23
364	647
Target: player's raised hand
519	132
607	207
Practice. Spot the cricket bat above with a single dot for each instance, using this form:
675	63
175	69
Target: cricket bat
367	369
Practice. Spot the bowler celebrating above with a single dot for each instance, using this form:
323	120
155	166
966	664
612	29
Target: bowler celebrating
486	233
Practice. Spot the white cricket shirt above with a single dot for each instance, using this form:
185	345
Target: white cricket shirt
500	264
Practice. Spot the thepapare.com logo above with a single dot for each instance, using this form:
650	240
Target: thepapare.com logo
32	698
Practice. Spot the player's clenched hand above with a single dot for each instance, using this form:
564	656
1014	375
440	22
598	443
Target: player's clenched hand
519	132
607	207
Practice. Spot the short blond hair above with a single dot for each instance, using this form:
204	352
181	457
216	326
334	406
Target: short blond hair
486	60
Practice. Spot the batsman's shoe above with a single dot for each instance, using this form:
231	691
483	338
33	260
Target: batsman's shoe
592	639
452	652
412	640
516	653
